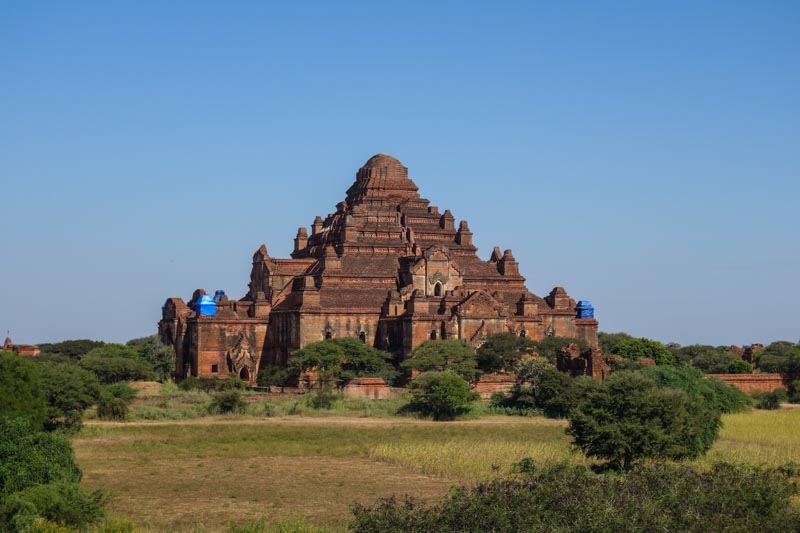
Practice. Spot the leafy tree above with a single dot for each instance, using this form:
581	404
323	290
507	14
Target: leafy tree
501	352
628	418
69	391
115	362
115	400
337	361
440	395
713	393
21	389
227	402
609	341
274	376
60	503
454	355
782	357
74	349
638	348
29	457
550	347
209	384
159	355
739	366
770	400
565	498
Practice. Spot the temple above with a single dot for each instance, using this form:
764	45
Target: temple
387	268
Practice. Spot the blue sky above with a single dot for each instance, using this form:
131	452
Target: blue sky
645	157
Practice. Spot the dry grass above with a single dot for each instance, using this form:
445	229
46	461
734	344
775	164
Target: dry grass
204	474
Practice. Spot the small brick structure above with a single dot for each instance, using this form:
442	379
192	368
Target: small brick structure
489	384
371	389
750	383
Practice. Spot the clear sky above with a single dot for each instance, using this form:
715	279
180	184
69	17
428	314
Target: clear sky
645	157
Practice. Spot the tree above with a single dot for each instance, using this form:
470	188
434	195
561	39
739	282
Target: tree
74	349
454	355
29	457
501	352
114	401
115	362
637	348
609	341
440	395
21	389
628	418
337	361
273	376
550	347
159	355
69	391
713	393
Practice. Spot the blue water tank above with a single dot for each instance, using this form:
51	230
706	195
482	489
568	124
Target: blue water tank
585	309
218	295
205	306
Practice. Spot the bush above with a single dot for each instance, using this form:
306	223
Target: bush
114	362
638	348
628	418
713	392
160	357
209	384
770	400
29	457
115	400
323	398
549	347
62	503
21	389
572	498
69	390
440	395
739	366
794	391
453	355
73	349
227	402
502	352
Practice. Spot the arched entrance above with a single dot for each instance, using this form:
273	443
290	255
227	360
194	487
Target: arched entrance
244	374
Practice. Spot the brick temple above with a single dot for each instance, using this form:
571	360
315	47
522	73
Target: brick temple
387	268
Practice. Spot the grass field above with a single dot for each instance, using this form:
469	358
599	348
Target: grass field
204	474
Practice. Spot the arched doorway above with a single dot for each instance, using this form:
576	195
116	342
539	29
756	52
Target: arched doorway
244	374
437	289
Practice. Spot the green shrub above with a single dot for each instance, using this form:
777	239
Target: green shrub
69	390
739	366
502	352
628	418
29	457
770	400
73	349
638	348
62	503
160	357
115	401
440	395
21	392
549	347
209	384
227	402
571	498
323	398
794	392
114	362
713	392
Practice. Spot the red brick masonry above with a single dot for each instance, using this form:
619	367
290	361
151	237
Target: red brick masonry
750	383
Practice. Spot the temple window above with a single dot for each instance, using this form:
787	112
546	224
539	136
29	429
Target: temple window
328	335
214	369
363	337
437	289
